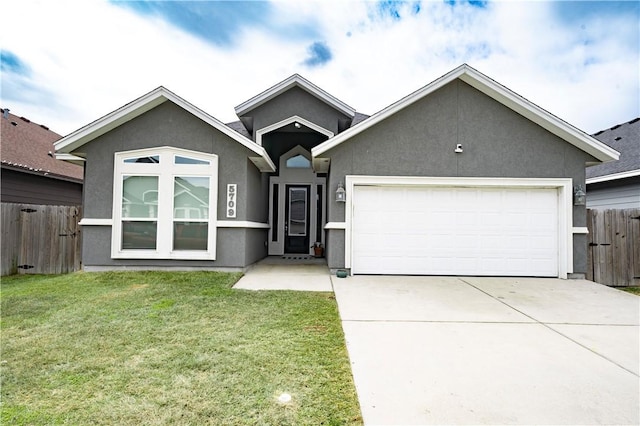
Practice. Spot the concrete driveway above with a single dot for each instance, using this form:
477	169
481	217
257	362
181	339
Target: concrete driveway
468	350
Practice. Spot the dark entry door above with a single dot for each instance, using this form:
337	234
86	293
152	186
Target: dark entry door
297	218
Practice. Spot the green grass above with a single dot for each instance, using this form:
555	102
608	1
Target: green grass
632	290
169	348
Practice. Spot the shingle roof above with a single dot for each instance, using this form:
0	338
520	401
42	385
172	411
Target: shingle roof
28	146
239	127
624	138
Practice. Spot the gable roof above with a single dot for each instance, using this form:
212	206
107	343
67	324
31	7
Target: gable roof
624	138
295	80
491	88
66	146
28	147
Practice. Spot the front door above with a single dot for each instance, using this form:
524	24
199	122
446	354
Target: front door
297	219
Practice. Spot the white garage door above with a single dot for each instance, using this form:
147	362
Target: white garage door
454	231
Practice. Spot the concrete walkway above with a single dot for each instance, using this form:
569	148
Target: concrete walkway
277	273
448	350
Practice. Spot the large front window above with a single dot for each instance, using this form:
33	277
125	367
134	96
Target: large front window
165	204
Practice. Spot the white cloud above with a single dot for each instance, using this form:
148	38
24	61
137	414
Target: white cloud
89	58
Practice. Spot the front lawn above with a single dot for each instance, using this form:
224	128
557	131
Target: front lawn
169	348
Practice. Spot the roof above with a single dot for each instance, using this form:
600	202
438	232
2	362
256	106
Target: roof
294	81
67	147
491	88
28	147
624	138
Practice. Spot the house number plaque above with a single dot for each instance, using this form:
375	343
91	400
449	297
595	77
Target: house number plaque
232	194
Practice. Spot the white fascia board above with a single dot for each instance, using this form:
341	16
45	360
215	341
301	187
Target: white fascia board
387	112
539	116
613	176
283	86
510	99
146	103
292	119
110	121
70	158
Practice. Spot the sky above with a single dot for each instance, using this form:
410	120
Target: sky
66	63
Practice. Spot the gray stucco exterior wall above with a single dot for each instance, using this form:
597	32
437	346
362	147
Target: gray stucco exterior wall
170	125
296	102
420	140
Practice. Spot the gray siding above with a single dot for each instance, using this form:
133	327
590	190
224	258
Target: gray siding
27	188
296	102
420	141
170	125
614	195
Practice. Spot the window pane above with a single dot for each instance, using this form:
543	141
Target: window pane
150	159
190	235
298	162
139	235
187	160
191	198
297	211
140	196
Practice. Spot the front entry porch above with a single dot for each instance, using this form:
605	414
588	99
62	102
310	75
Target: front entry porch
297	206
301	273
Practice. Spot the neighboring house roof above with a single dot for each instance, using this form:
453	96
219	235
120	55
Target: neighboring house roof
71	143
624	138
294	81
491	88
28	147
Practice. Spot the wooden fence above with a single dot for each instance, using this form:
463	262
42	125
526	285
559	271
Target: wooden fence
40	239
614	247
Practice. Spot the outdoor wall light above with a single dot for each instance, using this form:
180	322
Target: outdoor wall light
579	197
341	194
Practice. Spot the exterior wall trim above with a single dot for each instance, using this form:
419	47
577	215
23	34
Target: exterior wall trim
91	221
580	230
292	119
563	186
242	224
336	225
614	176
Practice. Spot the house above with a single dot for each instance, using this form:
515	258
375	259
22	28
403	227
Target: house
616	185
461	177
30	173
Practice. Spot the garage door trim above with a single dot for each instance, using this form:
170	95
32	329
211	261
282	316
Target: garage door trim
562	185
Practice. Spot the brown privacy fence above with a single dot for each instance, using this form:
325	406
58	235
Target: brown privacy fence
614	247
40	239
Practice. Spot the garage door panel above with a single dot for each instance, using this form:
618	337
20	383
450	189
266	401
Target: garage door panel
455	231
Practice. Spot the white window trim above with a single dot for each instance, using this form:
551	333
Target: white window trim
563	186
166	171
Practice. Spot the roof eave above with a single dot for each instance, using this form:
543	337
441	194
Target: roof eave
110	121
491	88
283	86
541	117
613	176
75	140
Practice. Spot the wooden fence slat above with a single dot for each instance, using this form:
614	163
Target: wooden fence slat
614	247
44	237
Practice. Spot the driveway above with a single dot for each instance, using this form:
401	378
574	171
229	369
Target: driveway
468	350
